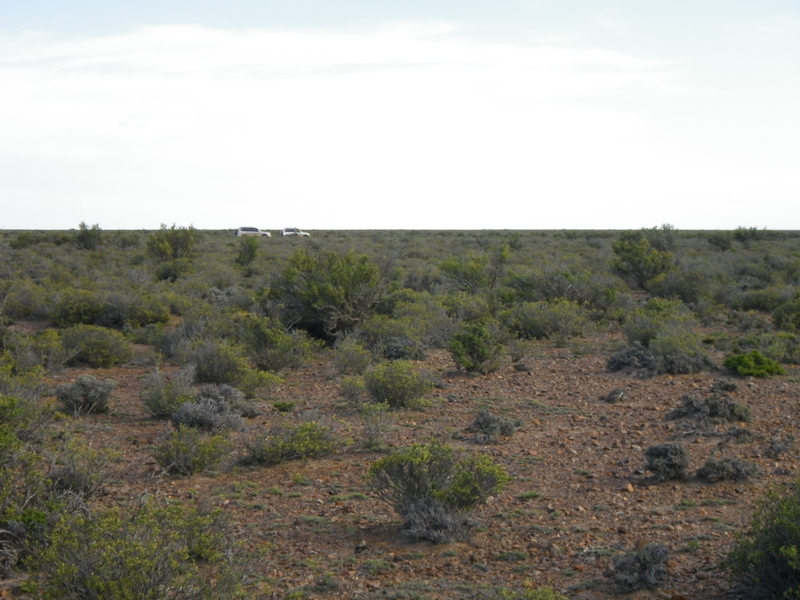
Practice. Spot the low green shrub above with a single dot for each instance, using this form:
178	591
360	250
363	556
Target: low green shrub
75	307
540	593
397	383
477	348
766	557
162	394
95	346
787	315
558	319
218	362
187	451
352	388
274	349
667	461
753	364
290	442
640	569
86	395
433	489
376	421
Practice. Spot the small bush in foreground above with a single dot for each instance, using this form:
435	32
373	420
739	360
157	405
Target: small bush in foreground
753	364
282	444
187	451
397	383
766	558
433	489
81	470
95	346
641	569
148	553
86	395
667	461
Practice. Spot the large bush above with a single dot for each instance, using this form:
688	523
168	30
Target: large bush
637	259
560	319
327	293
95	346
477	348
766	558
433	489
171	243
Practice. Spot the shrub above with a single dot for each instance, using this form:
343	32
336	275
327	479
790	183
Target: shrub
541	593
132	311
95	346
147	552
375	419
392	338
272	348
326	293
559	319
171	244
350	357
715	408
187	451
88	238
753	364
248	250
433	489
86	395
352	388
291	442
476	348
74	307
488	428
726	469
397	383
637	259
162	394
207	414
766	558
81	470
218	362
172	270
667	461
640	569
787	315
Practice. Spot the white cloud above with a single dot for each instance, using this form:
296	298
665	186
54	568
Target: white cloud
405	126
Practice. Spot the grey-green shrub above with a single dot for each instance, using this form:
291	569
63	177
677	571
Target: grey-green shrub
81	470
86	395
207	414
433	489
640	569
162	394
351	358
667	461
397	383
477	348
559	319
726	469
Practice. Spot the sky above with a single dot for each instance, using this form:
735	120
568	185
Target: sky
400	114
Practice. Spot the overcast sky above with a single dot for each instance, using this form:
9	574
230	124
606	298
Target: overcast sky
387	114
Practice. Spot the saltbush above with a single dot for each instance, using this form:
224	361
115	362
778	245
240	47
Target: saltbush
397	383
559	319
74	307
640	569
86	395
753	364
726	469
433	489
667	461
95	346
766	558
81	470
272	348
290	442
351	358
207	414
489	428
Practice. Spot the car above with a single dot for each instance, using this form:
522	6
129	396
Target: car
294	231
252	231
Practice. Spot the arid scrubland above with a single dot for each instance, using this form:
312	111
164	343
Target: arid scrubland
493	415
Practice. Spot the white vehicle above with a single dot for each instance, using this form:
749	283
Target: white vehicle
295	231
252	231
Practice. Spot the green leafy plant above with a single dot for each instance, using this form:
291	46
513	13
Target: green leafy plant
397	383
766	558
476	348
753	364
433	489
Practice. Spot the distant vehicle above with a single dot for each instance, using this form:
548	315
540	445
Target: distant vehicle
294	231
252	231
